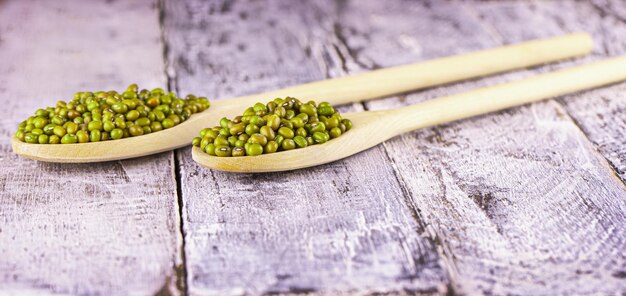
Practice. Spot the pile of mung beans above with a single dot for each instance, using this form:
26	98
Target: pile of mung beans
108	115
279	125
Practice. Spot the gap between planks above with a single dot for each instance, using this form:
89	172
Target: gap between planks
169	73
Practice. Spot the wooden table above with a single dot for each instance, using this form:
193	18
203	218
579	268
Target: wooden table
526	201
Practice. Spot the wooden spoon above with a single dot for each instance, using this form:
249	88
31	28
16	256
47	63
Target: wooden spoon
372	128
343	90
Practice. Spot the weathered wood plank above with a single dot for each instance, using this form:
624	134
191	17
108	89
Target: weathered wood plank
521	201
601	114
342	227
519	216
96	229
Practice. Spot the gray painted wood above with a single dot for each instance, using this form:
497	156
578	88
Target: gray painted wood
521	200
601	114
343	227
93	229
527	201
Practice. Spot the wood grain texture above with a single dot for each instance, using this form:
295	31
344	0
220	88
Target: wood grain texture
518	202
601	114
521	201
342	227
100	229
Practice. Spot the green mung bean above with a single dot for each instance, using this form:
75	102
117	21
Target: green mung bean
102	116
280	125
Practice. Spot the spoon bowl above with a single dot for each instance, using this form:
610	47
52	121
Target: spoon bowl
365	133
165	140
374	127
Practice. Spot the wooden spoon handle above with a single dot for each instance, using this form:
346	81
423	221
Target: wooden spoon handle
511	94
400	79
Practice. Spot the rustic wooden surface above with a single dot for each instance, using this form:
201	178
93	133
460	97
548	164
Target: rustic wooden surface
527	201
600	114
495	188
342	227
471	158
